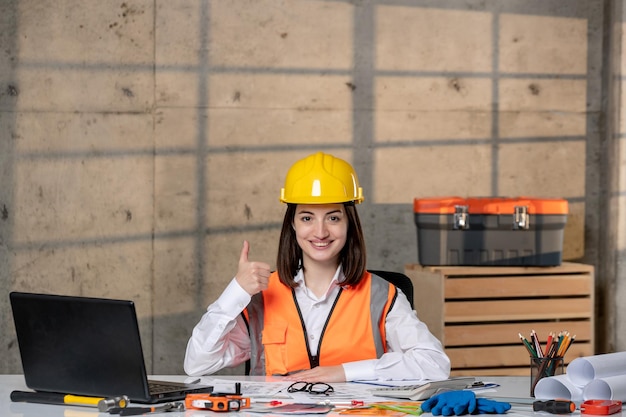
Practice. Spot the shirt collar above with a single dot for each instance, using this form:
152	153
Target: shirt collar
339	277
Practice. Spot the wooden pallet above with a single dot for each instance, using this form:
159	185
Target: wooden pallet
478	312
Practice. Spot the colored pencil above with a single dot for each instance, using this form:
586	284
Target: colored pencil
556	345
530	349
535	339
548	343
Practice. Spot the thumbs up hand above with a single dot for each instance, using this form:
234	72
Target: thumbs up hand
252	276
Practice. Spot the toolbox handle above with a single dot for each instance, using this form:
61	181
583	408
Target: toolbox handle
521	219
461	217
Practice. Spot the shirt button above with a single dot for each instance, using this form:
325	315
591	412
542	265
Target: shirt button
312	337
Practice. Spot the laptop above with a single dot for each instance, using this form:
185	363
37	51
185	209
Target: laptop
87	346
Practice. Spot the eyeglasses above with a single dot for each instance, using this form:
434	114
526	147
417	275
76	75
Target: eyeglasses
320	388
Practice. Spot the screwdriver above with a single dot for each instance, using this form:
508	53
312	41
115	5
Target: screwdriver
555	406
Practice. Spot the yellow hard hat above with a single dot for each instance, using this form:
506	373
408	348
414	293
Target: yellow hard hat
321	179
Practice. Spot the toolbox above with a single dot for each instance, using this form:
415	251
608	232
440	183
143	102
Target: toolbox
520	231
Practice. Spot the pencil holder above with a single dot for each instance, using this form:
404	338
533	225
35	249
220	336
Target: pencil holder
543	367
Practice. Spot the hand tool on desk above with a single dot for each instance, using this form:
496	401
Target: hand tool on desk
601	407
135	411
217	402
555	406
103	404
106	404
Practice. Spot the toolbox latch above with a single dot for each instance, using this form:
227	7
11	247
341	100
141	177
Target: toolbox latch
461	217
521	219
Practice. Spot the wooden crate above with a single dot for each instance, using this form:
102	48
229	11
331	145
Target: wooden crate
477	312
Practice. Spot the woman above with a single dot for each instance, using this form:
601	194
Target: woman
321	316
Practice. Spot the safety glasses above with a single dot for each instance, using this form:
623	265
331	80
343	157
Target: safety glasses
319	388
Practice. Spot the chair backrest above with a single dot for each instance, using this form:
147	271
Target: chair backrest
399	280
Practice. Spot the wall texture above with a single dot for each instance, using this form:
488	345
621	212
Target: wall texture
143	140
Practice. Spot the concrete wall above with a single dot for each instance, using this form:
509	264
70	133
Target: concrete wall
143	140
617	288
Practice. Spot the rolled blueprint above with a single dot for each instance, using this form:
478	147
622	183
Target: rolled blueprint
558	386
609	388
583	370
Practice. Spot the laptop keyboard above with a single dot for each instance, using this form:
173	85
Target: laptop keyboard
157	388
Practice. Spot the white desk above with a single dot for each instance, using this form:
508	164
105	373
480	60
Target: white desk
510	387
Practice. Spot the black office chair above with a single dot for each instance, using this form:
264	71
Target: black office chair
399	280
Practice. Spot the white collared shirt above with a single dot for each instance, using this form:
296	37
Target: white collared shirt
315	310
221	338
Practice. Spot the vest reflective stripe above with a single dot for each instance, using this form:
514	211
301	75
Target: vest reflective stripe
255	328
279	343
380	305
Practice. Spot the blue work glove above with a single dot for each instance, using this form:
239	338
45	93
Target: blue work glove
451	403
485	406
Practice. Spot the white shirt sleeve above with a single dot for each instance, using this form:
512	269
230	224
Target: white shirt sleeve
221	337
412	350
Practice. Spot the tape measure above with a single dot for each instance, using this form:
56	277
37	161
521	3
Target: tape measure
211	402
601	407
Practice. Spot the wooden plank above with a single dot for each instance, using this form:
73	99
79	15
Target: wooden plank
507	333
505	310
503	356
513	286
429	298
564	268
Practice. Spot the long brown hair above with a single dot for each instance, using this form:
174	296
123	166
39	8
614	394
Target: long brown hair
353	255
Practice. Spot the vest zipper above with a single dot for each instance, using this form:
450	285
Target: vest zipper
314	361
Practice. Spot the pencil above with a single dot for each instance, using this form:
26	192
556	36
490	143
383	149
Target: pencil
569	343
530	349
535	339
548	343
563	345
554	349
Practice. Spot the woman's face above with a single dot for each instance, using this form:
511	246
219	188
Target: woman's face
321	232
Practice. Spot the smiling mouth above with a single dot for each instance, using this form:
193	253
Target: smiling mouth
320	244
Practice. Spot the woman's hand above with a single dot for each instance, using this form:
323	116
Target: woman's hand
319	374
252	276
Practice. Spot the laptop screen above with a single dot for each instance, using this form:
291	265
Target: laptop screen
79	345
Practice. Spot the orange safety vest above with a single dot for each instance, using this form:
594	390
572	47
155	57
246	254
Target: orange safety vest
354	330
